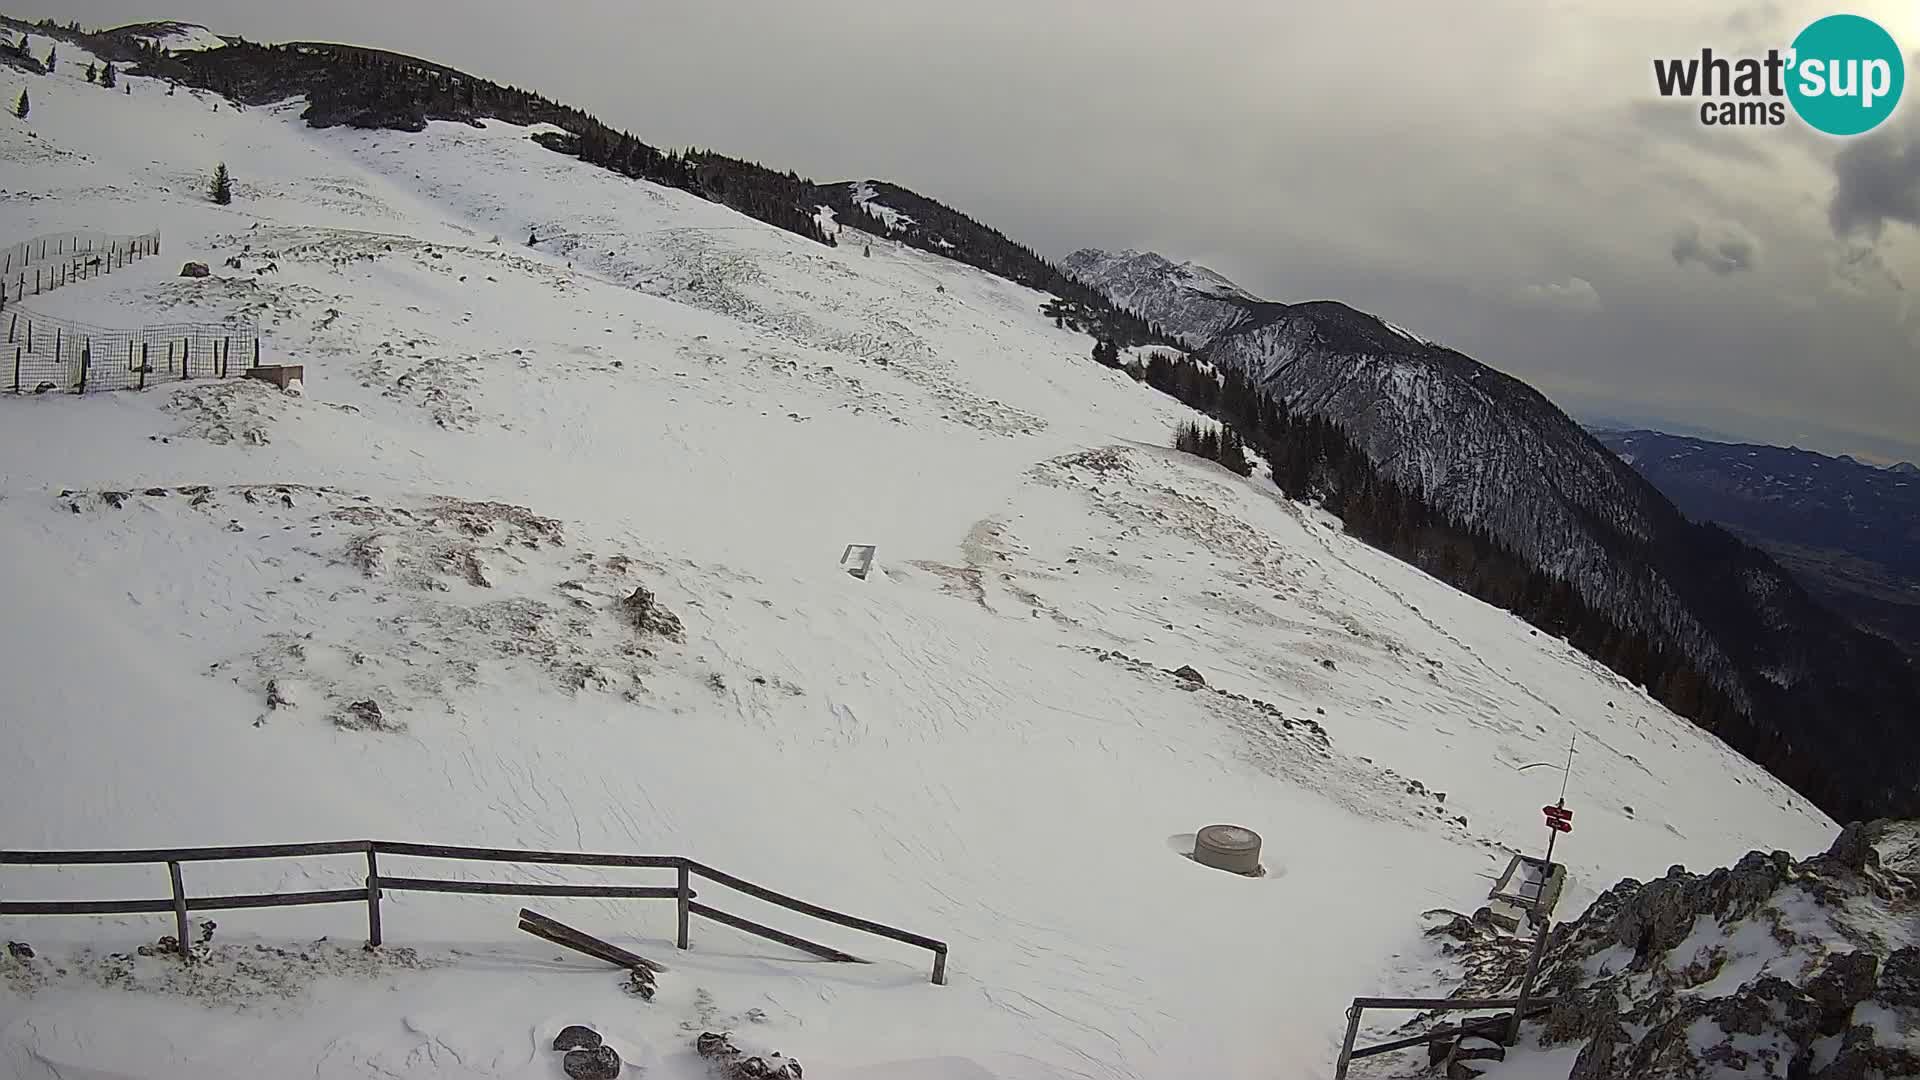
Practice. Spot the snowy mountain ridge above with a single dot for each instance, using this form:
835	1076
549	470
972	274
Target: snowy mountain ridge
401	605
1498	458
1187	300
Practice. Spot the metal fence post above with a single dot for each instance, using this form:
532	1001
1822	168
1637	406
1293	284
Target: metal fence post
179	909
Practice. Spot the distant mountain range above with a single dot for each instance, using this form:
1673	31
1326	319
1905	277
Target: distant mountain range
1849	531
1492	456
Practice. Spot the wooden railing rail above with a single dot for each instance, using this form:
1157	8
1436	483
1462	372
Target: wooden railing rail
378	884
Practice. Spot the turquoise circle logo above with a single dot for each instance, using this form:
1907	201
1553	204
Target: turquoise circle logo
1847	75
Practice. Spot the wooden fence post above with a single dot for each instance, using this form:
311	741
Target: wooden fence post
373	899
179	909
169	357
143	367
940	968
86	361
16	369
1540	927
686	894
256	350
1346	1048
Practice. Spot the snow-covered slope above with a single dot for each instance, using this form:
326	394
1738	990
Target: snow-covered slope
981	742
1186	300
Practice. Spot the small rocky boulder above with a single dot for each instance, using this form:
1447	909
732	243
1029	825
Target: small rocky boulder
645	614
599	1063
577	1037
196	270
1188	674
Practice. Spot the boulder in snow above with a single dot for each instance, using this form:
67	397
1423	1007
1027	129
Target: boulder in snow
577	1037
599	1063
196	269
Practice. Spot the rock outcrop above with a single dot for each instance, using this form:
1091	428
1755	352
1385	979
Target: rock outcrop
1773	967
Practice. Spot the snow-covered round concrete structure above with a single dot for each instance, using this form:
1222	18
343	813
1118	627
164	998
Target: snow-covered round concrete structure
1228	847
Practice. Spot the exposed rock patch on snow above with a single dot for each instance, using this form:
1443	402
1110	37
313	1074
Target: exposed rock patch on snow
1773	967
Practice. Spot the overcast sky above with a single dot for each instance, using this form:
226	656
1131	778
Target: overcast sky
1496	175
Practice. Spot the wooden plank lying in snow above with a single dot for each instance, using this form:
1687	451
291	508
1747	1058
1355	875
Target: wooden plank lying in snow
566	936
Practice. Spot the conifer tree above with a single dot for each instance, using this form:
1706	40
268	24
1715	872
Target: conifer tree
93	73
222	188
20	107
1233	453
107	76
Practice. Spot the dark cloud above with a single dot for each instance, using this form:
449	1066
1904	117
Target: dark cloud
1724	248
1877	180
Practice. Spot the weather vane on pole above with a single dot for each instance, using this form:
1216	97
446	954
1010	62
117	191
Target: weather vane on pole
1559	818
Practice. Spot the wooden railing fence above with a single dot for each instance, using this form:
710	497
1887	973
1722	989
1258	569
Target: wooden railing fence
377	884
1504	1028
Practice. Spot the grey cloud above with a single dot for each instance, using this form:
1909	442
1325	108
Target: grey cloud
1724	247
1877	180
1679	122
1754	17
1229	131
1574	294
1860	268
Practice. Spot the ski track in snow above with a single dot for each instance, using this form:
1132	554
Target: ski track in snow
981	742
